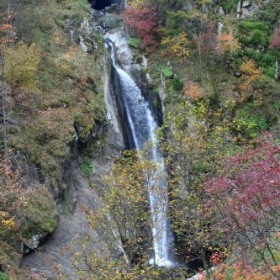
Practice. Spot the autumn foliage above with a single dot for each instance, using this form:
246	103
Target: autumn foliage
239	271
251	73
246	199
5	27
10	185
250	183
177	45
275	38
205	40
193	90
142	22
226	42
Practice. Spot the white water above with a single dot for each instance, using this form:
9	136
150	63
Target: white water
143	125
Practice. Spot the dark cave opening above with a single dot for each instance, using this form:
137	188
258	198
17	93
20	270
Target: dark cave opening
100	4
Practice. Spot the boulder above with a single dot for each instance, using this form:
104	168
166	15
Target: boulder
246	9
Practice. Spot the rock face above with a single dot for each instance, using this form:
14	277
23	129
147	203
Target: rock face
33	242
74	226
123	53
246	8
76	200
74	204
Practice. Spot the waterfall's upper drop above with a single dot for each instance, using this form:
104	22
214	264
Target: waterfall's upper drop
123	53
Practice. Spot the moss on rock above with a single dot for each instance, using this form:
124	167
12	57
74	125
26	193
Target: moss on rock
38	214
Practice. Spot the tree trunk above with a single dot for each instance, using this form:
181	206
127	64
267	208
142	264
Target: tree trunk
4	113
276	75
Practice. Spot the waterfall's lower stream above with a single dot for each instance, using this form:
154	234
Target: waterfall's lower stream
141	127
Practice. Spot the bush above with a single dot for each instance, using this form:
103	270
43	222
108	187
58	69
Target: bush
228	5
112	21
142	22
167	72
134	42
22	65
249	122
253	34
3	276
87	166
177	84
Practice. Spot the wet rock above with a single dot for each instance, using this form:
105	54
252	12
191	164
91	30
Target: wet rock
33	242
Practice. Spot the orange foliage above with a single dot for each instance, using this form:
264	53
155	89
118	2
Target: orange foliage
226	42
193	90
277	267
5	26
239	271
217	258
7	30
251	72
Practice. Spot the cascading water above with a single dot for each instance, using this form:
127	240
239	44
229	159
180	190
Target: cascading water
141	126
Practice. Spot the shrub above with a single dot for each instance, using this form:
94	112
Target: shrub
3	276
177	84
249	122
275	38
193	90
22	65
142	22
87	166
167	72
253	34
134	42
228	5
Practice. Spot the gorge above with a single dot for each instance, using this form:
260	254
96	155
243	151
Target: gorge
152	156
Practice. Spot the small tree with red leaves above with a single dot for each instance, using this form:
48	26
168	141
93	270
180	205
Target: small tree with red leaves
246	198
274	40
142	22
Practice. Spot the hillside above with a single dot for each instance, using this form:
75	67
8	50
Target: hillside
209	69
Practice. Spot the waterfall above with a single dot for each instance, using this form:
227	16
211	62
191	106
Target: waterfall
140	126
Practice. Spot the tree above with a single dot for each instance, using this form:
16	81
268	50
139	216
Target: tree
253	34
274	40
205	40
3	89
192	31
177	45
188	160
193	90
142	22
227	43
6	36
246	199
251	73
